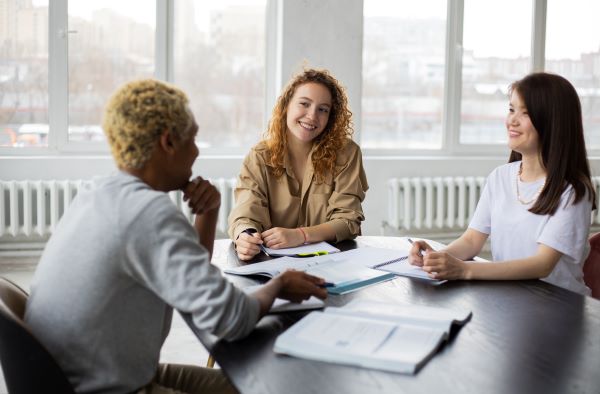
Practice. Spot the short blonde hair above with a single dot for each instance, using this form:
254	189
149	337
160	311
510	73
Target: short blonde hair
137	114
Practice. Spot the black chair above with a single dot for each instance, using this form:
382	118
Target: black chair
27	365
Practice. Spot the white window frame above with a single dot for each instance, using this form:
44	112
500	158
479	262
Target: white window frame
59	144
451	122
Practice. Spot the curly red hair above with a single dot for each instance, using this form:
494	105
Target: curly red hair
337	132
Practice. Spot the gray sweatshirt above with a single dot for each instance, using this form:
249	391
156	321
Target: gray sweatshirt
120	259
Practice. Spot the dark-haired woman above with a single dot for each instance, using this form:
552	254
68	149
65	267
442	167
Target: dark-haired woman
536	209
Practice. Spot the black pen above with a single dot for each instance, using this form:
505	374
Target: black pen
251	231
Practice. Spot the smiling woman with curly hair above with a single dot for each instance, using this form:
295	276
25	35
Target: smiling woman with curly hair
304	182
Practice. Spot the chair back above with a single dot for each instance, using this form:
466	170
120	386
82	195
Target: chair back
27	365
591	266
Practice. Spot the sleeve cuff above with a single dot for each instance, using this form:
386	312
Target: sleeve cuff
342	232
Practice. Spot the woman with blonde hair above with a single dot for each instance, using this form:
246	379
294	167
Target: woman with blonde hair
304	182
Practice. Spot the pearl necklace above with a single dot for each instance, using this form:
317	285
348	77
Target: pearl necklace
535	196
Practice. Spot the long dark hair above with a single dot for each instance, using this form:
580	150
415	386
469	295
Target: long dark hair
555	111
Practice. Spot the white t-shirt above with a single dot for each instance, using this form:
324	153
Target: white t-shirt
515	232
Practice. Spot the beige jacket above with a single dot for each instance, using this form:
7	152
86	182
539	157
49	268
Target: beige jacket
264	201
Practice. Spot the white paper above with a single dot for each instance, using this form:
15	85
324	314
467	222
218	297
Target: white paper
357	336
281	305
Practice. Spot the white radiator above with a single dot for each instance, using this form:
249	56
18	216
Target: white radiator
33	208
439	203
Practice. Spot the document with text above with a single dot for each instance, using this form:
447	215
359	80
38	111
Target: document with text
346	271
385	336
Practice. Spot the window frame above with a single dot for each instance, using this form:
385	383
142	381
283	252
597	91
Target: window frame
59	144
451	124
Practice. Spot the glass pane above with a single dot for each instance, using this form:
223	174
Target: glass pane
110	43
219	51
497	52
403	74
23	73
573	51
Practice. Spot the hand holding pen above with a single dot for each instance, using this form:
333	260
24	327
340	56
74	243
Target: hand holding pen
248	244
415	255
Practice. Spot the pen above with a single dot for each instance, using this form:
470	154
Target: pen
251	231
412	243
327	284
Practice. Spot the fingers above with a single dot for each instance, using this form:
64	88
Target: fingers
279	237
247	246
434	262
441	265
320	293
424	246
417	251
274	238
201	196
269	232
313	279
298	286
414	256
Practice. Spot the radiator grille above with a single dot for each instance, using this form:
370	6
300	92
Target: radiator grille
33	208
439	203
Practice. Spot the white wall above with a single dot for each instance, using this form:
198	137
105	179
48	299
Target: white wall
321	34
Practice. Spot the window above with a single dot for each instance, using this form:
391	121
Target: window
496	52
219	55
573	51
435	72
23	73
403	74
110	43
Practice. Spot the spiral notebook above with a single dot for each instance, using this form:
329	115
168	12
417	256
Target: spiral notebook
389	260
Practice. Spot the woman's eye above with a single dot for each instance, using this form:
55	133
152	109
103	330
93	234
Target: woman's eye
325	110
304	104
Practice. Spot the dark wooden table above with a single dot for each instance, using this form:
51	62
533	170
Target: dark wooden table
524	337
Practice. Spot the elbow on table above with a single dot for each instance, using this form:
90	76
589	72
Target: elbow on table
545	268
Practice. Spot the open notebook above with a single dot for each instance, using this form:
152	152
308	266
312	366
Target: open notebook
347	271
385	336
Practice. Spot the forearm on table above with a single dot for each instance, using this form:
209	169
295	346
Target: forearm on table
468	245
320	232
535	267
